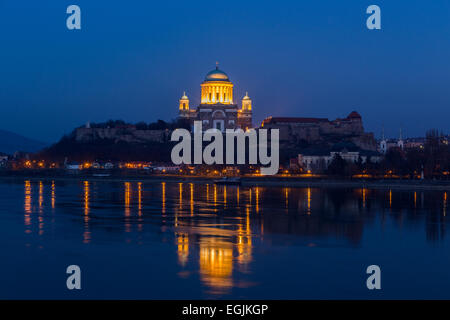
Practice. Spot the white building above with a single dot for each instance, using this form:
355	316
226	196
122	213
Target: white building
317	159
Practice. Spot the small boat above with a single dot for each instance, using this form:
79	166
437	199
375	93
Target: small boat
101	175
228	181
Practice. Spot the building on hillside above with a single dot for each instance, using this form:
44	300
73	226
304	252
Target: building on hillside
217	108
318	158
317	130
384	145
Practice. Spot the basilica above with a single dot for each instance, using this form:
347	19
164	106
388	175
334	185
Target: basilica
217	108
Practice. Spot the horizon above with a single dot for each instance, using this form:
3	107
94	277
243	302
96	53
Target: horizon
301	60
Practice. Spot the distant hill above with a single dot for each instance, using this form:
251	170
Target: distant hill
11	142
115	140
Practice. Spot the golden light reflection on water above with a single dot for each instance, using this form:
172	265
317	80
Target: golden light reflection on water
286	195
182	247
445	204
27	206
140	206
163	185
140	198
215	196
216	264
244	243
127	206
415	199
41	204
225	196
191	186
86	233
180	196
218	253
309	201
41	196
257	199
53	195
390	198
221	247
364	197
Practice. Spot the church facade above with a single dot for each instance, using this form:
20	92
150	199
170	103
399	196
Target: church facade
217	108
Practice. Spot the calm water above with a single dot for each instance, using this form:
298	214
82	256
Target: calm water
188	241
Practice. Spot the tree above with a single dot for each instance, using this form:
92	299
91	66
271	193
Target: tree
337	166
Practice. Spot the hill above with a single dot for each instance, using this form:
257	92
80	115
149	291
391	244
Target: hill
11	142
115	141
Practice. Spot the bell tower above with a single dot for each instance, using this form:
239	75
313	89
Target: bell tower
184	102
245	114
246	103
184	111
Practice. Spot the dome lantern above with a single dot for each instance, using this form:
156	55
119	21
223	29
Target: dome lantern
217	88
184	102
246	103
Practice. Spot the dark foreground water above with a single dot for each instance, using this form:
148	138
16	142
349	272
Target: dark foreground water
156	240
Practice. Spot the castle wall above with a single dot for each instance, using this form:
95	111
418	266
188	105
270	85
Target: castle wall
317	130
130	135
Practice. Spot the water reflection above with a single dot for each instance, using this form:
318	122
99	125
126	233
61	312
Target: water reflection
27	206
163	185
41	203
216	264
191	186
445	204
182	247
127	198
53	195
217	235
86	233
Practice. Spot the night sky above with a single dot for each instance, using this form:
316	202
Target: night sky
132	60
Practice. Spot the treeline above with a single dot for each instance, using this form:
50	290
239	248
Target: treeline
157	125
433	160
110	150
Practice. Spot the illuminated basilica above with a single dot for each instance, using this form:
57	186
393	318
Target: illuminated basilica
217	108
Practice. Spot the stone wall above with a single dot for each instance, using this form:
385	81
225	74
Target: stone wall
320	130
130	135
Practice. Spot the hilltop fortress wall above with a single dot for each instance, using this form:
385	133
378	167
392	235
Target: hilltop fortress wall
318	130
129	135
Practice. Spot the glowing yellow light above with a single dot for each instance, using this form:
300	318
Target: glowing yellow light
192	198
364	197
183	248
41	195
127	206
53	195
225	195
86	233
27	205
445	204
286	192
390	198
140	198
257	199
415	199
309	201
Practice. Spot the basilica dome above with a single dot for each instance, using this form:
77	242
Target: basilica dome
217	75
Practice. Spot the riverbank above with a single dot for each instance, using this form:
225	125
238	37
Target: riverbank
253	181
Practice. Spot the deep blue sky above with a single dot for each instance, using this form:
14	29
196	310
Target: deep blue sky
133	59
